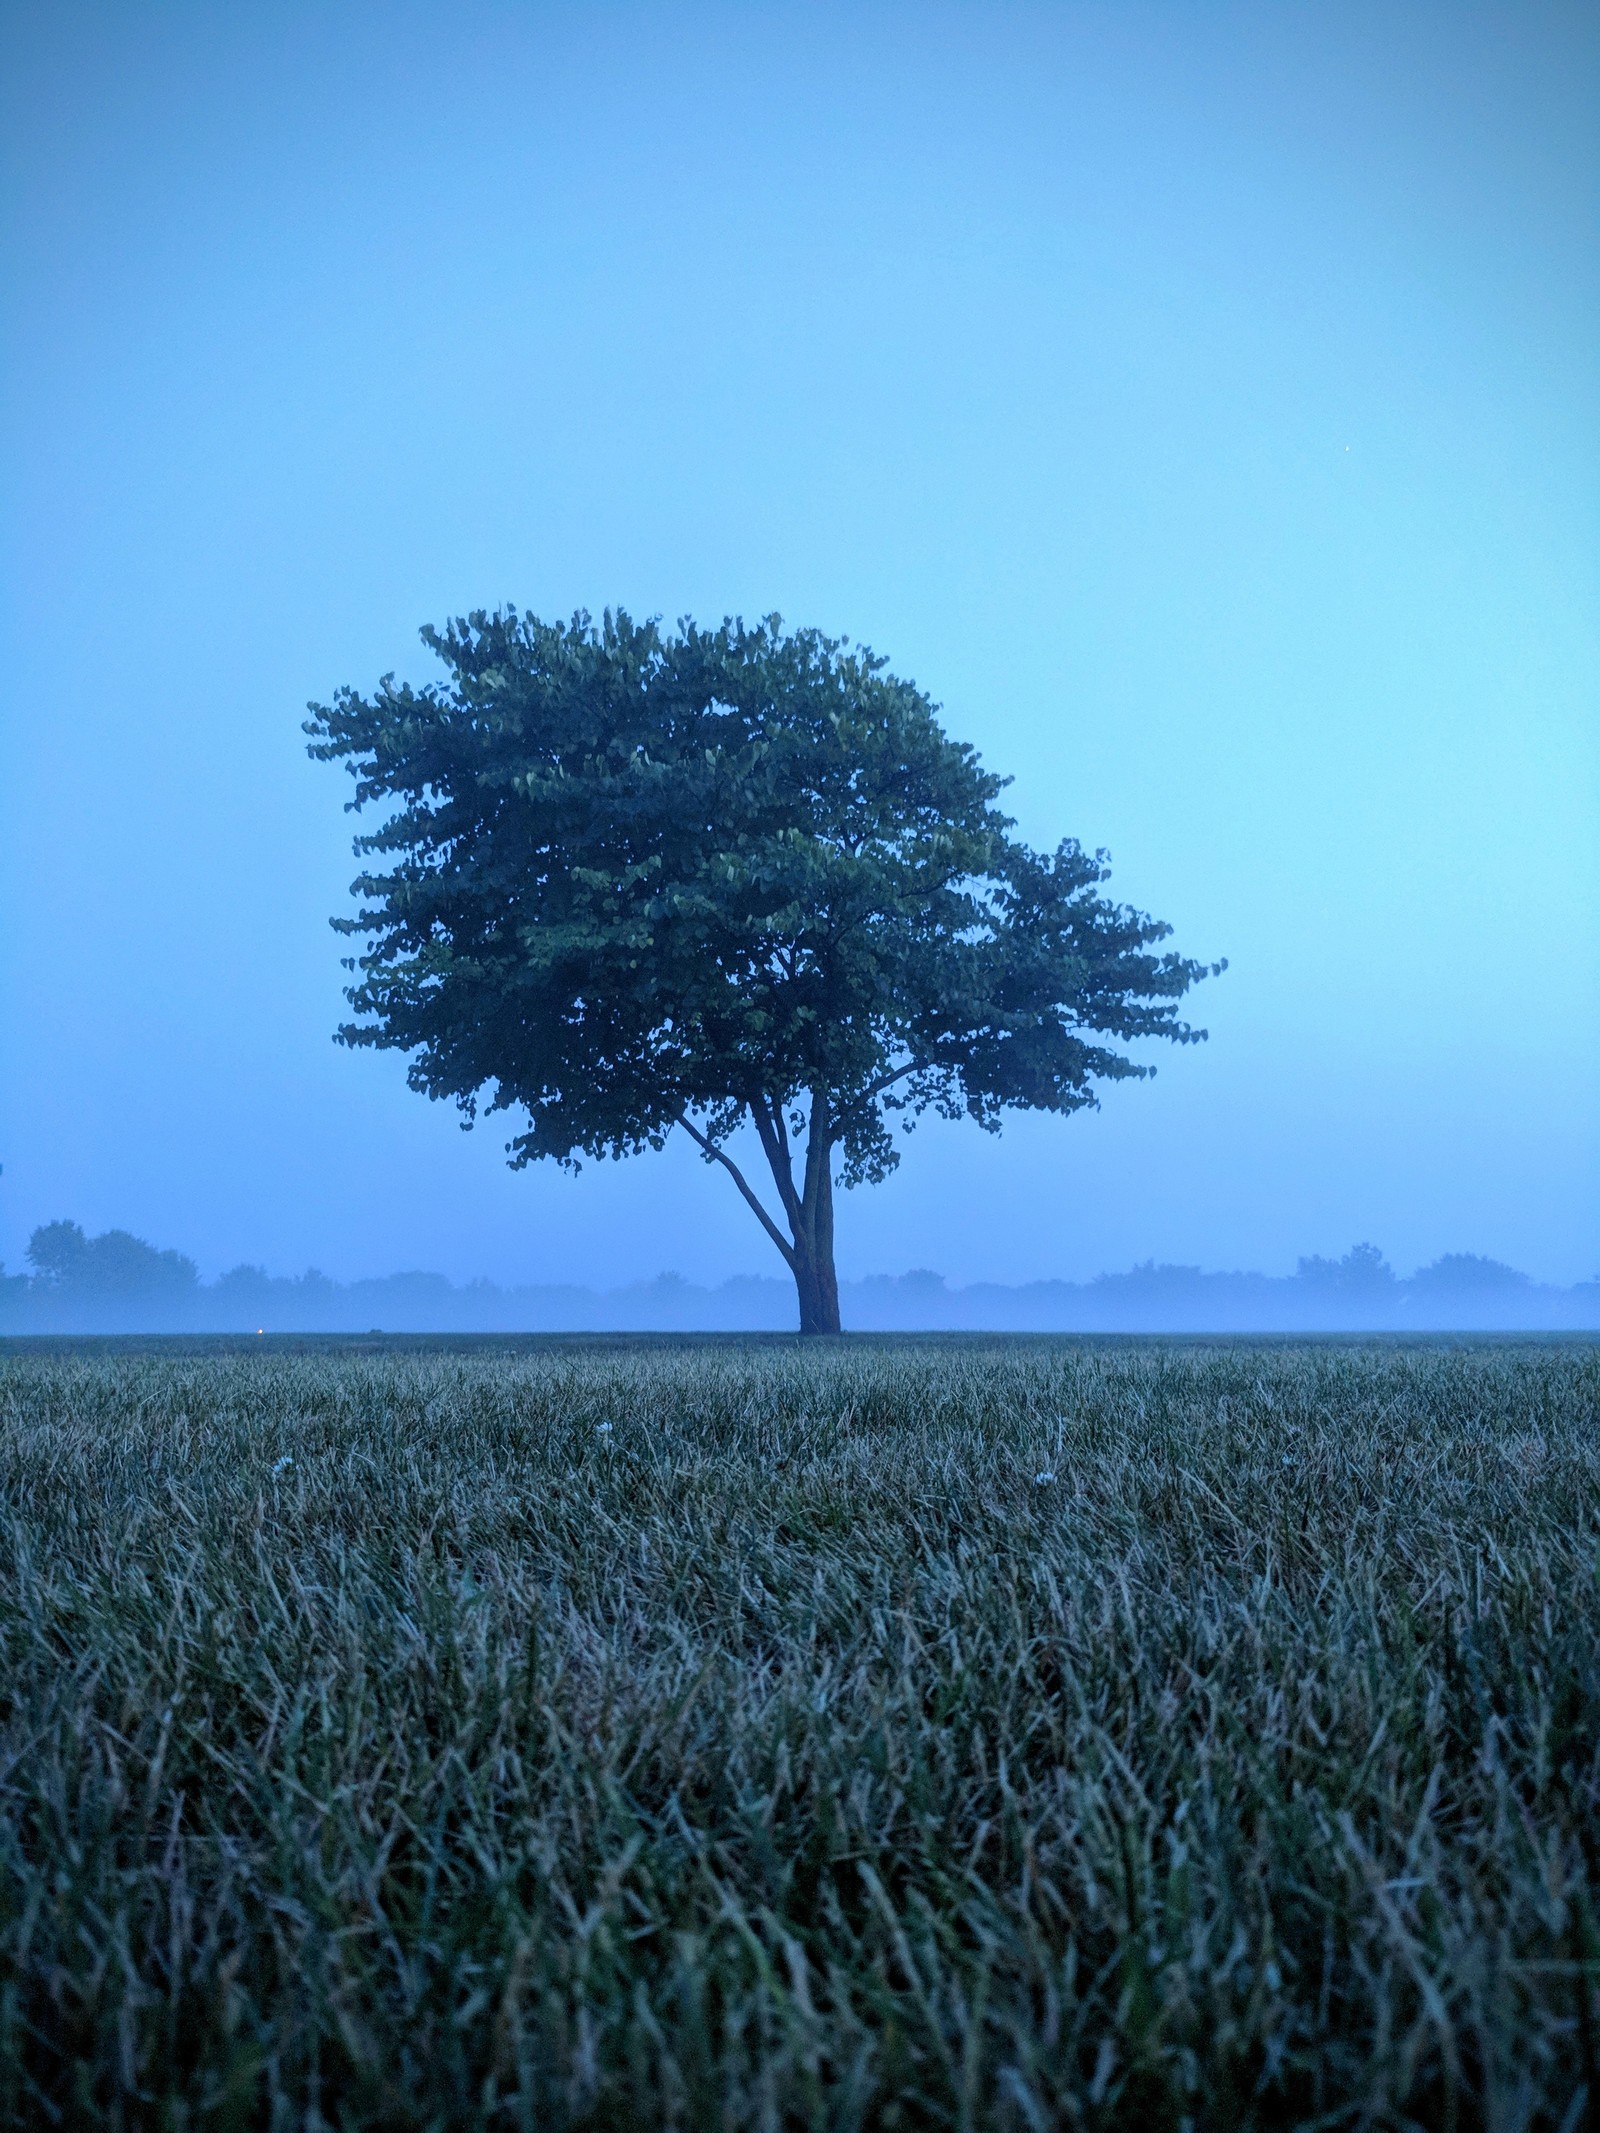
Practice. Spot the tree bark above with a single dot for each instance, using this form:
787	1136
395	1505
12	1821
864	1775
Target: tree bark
814	1276
808	1251
808	1209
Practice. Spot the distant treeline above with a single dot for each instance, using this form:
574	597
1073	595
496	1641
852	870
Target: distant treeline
116	1283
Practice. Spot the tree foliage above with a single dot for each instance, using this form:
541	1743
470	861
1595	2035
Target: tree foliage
630	879
113	1267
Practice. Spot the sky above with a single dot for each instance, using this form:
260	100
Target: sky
1201	403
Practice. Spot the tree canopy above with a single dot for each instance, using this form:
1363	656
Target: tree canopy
115	1267
629	880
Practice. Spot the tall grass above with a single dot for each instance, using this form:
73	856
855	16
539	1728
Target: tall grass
923	1735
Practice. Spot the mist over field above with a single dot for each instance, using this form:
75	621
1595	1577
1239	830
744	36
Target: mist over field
119	1284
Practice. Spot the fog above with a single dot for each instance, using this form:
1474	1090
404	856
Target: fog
1203	405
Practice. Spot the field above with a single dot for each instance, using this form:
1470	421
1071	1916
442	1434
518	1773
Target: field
1021	1734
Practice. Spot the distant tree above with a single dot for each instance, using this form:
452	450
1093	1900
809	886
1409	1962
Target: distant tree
113	1268
1362	1272
1469	1277
1359	1289
58	1252
636	880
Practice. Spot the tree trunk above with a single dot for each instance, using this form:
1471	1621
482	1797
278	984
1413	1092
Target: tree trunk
814	1277
808	1249
819	1297
811	1221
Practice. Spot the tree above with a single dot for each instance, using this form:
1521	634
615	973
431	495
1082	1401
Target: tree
108	1277
115	1266
634	880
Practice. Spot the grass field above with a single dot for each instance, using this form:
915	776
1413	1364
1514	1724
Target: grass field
1016	1734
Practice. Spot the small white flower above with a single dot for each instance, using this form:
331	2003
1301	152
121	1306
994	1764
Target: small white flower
604	1430
278	1465
1040	1478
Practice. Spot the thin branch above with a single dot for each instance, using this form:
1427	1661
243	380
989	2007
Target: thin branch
715	1154
887	1081
775	1140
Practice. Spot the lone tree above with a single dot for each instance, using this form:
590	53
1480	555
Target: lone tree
635	880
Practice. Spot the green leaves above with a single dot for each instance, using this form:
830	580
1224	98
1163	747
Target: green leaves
637	874
637	878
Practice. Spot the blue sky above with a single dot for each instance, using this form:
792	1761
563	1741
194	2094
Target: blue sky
1201	403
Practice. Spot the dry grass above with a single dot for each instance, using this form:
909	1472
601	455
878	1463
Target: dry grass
732	1736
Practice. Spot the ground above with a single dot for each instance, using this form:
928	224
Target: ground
743	1734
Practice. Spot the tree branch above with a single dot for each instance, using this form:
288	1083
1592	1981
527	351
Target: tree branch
775	1140
887	1081
715	1154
